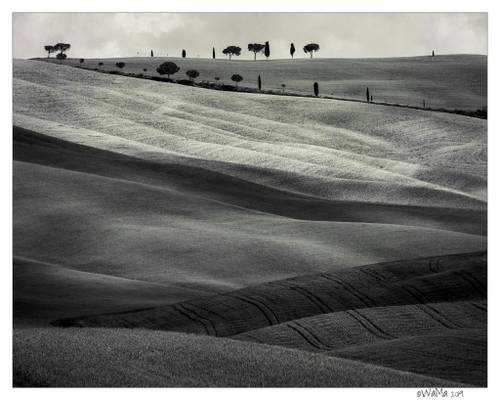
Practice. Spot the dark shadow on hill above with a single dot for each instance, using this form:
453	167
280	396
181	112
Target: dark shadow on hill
451	278
37	148
426	316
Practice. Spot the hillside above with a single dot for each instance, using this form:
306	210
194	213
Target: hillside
132	358
425	316
421	281
214	223
447	81
330	149
118	175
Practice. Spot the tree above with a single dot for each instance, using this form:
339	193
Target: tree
183	53
120	64
167	68
145	69
256	48
267	51
82	60
193	74
62	47
292	49
311	48
367	95
316	89
61	56
101	63
432	53
283	86
49	49
213	53
236	78
152	54
232	51
259	83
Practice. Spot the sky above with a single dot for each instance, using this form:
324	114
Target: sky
102	35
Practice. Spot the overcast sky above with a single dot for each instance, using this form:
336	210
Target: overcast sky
339	35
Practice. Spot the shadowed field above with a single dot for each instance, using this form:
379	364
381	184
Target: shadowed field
424	316
370	325
433	280
291	237
132	358
102	215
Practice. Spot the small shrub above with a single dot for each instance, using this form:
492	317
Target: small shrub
120	64
161	79
101	63
192	73
186	82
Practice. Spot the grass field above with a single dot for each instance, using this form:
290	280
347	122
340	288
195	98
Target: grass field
214	223
424	281
131	358
447	81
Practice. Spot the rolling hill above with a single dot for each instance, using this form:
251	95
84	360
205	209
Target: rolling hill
421	281
214	223
141	358
445	81
425	316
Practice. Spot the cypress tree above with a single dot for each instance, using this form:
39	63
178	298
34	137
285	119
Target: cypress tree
259	83
316	89
152	55
183	53
267	51
213	53
367	95
292	49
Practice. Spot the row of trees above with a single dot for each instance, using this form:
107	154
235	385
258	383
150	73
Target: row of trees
257	48
230	51
170	68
